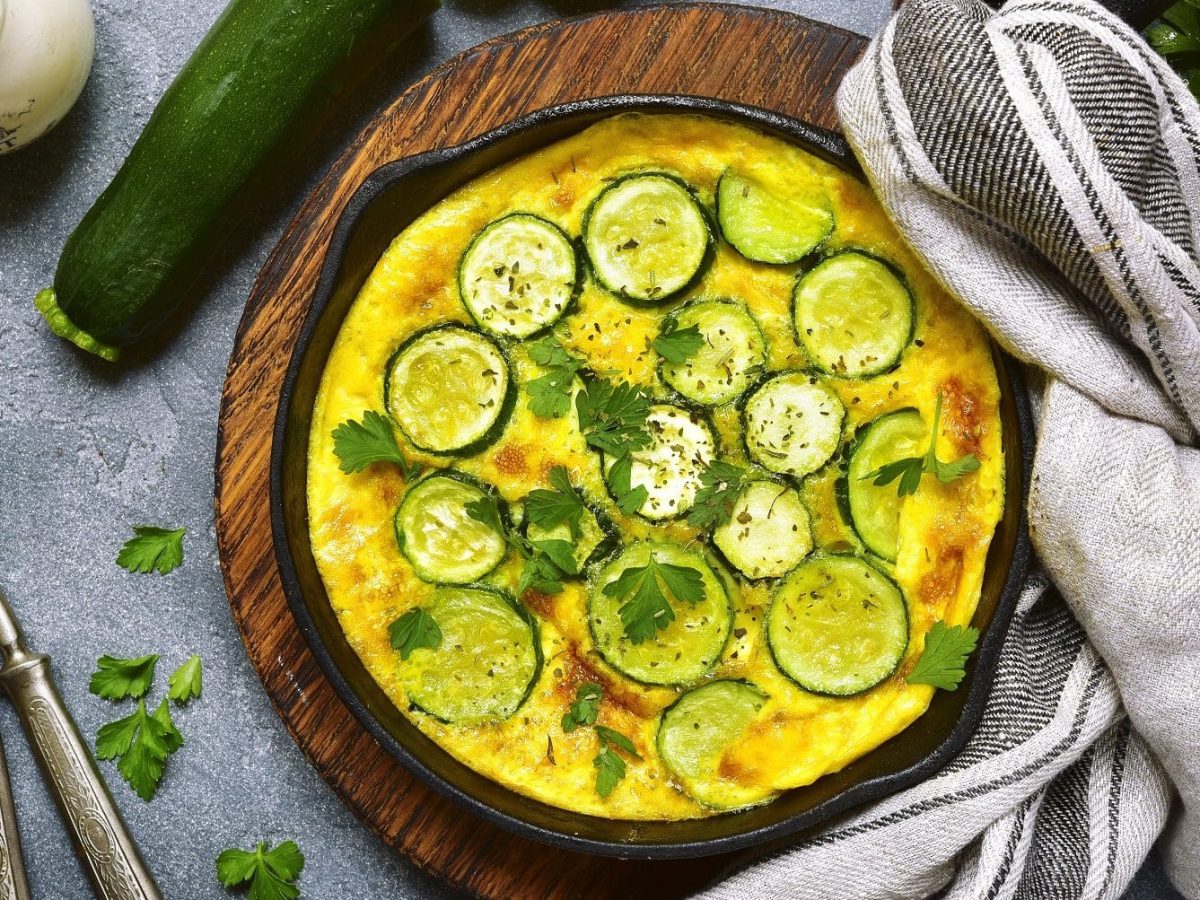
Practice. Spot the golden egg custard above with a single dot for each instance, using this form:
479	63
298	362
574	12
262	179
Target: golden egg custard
704	457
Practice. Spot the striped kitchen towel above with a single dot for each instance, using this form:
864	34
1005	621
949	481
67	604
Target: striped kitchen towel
1045	164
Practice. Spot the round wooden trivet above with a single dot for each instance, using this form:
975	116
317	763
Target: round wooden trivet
764	58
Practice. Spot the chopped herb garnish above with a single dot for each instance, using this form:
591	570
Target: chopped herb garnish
270	873
620	474
414	630
647	608
677	345
910	469
550	394
944	658
359	444
612	416
720	484
547	563
610	767
153	549
583	710
551	508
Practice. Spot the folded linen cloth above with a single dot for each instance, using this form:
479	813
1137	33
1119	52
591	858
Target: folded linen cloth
1043	161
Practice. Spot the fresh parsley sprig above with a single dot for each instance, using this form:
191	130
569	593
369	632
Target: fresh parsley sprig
116	679
359	444
620	480
141	743
944	658
677	345
551	508
609	765
910	469
547	563
186	682
647	608
550	394
270	872
414	630
612	415
720	484
152	549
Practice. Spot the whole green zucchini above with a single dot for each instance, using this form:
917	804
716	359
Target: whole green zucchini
238	101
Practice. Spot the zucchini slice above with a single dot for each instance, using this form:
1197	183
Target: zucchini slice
488	661
597	536
768	532
732	356
874	511
766	227
792	424
694	734
449	389
647	237
854	314
518	276
837	626
437	535
688	647
681	446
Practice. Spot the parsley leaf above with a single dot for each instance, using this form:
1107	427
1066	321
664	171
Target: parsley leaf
116	679
1176	36
945	655
141	742
620	475
910	469
186	682
612	416
677	345
550	394
720	485
547	563
153	549
414	630
358	444
270	872
550	508
647	609
610	767
583	710
487	510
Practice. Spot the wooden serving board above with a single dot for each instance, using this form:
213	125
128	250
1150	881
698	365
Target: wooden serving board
752	56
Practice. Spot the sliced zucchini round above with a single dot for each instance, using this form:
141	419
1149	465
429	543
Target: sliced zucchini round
837	626
697	730
854	314
766	227
647	237
449	389
732	356
437	535
488	660
688	647
768	532
518	276
597	536
874	510
681	446
792	424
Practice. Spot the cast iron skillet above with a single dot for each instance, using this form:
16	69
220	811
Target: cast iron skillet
386	203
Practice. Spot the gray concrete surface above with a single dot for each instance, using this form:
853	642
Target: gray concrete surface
87	450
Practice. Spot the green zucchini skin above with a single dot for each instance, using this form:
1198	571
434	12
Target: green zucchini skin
132	259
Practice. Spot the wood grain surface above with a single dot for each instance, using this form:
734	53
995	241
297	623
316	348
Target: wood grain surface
758	57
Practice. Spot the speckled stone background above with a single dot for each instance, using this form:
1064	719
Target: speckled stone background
86	450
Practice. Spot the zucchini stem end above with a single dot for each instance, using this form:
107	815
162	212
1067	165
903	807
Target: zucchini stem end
46	303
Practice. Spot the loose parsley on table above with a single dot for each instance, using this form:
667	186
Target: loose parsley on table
550	394
141	742
270	873
720	485
944	658
677	345
116	679
414	630
153	549
647	608
187	681
910	469
359	444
